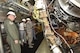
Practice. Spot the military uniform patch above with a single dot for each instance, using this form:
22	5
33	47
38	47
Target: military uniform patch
10	22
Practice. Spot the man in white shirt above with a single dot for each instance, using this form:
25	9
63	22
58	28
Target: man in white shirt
22	31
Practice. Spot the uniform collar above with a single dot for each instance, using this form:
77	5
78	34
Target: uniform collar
9	19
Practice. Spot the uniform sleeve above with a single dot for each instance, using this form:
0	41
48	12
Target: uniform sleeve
31	24
11	31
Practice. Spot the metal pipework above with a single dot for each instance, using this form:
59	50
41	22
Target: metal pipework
74	11
15	6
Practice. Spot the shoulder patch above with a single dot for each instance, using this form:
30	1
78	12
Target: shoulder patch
10	22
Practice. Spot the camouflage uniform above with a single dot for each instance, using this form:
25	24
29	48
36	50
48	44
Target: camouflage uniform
12	34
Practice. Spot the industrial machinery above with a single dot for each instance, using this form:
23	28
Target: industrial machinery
60	18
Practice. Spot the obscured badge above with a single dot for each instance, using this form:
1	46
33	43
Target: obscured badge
10	22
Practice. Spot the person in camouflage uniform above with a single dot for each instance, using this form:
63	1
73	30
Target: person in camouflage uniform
29	32
12	32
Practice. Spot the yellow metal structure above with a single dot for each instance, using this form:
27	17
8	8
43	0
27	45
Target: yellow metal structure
49	34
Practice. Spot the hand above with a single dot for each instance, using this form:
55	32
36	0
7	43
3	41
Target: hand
16	41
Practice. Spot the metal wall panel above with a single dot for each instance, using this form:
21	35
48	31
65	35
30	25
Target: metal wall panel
1	45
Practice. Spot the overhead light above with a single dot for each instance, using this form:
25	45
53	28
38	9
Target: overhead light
11	8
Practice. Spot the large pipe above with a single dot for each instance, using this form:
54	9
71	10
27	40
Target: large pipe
74	11
76	2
